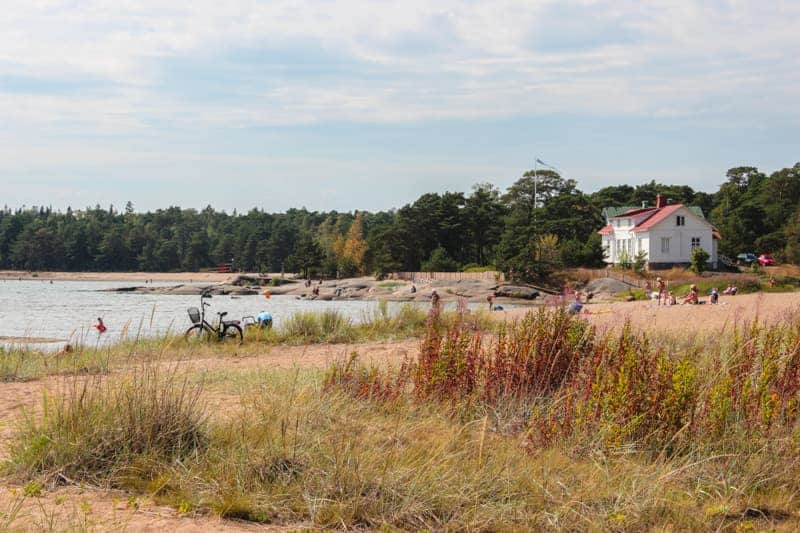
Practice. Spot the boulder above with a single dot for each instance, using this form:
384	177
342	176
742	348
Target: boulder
516	291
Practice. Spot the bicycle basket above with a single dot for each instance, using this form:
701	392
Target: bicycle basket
194	315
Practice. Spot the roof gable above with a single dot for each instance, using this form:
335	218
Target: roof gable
611	212
664	213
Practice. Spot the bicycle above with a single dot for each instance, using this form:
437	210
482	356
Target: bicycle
201	330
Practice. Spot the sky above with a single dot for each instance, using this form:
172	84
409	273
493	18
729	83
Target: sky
351	104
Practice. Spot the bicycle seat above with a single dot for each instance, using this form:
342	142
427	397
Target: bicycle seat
222	314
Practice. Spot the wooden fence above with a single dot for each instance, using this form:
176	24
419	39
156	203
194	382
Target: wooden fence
451	276
621	275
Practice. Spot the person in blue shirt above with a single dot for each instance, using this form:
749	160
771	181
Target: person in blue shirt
264	320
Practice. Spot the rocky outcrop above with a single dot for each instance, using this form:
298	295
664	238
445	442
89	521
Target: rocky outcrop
516	291
364	288
190	290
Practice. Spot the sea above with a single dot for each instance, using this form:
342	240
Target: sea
65	311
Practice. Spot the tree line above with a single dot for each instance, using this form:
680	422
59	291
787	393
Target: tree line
539	223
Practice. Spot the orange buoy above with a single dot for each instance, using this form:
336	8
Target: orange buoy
267	294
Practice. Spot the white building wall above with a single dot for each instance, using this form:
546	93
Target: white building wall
680	238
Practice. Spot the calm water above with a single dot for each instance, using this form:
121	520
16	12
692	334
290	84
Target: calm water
68	309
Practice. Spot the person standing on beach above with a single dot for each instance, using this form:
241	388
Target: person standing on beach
662	290
434	300
100	327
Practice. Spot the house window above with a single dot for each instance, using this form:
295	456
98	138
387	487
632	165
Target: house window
664	245
695	242
680	220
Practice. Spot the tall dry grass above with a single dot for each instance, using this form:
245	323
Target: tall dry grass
545	426
95	429
289	451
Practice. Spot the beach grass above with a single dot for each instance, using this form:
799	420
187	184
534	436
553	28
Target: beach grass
545	425
23	363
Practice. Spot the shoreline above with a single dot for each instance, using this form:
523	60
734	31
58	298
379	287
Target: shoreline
142	277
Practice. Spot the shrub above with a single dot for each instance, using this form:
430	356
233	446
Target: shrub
439	261
610	390
699	261
99	429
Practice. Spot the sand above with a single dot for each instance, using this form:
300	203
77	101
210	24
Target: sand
688	319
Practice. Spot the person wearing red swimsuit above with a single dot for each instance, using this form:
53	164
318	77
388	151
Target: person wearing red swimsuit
100	326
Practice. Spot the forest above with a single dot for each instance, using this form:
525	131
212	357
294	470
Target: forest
485	228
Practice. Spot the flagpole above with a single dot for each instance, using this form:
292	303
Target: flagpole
535	180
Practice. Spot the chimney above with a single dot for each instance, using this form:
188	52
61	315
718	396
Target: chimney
660	201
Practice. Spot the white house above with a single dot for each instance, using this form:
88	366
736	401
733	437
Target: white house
667	233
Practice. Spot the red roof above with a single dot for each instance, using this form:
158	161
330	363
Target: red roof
716	235
607	230
637	211
658	216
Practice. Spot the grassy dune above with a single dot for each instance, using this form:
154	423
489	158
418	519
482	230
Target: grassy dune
544	424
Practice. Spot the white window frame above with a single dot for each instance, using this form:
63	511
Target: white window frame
680	220
696	243
665	245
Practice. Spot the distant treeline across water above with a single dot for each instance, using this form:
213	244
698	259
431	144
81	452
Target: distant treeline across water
539	223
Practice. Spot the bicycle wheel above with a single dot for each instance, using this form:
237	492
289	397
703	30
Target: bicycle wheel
232	332
197	333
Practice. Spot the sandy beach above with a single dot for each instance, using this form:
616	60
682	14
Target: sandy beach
688	319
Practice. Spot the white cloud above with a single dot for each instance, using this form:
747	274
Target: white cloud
410	61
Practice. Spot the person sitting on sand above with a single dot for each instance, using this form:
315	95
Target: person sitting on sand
671	298
100	327
731	289
714	296
691	298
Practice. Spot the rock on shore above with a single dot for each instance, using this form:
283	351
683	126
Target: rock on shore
363	288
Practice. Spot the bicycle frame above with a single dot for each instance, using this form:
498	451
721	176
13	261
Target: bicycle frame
221	327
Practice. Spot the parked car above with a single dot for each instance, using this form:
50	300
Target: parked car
747	259
766	260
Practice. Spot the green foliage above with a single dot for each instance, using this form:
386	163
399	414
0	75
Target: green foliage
472	267
699	260
625	261
439	261
639	261
753	211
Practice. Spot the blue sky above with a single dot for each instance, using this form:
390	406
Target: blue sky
366	105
